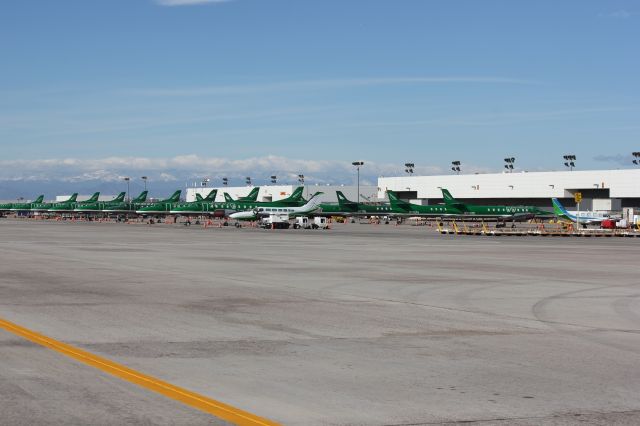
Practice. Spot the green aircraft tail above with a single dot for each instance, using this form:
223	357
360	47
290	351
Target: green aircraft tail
175	197
448	198
228	198
198	197
120	197
397	202
252	196
296	195
73	197
39	200
212	195
141	198
342	200
94	197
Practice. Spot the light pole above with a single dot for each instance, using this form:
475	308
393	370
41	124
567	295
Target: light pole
248	180
301	182
127	179
409	168
225	181
636	157
456	166
569	161
205	182
358	164
510	164
144	178
274	179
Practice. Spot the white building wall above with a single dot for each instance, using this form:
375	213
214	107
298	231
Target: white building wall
621	184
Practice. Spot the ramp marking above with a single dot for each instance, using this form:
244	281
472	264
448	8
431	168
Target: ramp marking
192	399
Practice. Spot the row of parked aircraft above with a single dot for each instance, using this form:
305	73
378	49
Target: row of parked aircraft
248	208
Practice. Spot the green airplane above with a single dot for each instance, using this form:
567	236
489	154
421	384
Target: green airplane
511	213
346	207
295	199
99	205
68	206
200	206
406	208
39	207
6	207
127	206
162	206
230	206
26	206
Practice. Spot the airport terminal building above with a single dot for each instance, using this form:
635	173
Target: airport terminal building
602	190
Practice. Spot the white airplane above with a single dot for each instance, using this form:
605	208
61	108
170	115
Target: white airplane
585	217
312	205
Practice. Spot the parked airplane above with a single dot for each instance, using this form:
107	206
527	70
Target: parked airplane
511	213
41	206
406	208
127	206
6	207
163	206
100	205
27	206
200	206
346	207
20	206
295	200
68	206
230	206
311	206
585	218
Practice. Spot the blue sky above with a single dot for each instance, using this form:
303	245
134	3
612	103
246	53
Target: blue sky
274	86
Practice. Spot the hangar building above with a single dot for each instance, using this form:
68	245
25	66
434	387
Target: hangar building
602	190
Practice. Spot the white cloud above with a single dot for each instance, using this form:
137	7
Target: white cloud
20	178
112	169
188	2
166	177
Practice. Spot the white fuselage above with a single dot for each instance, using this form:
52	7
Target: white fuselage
312	205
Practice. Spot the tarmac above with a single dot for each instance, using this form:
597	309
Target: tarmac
356	325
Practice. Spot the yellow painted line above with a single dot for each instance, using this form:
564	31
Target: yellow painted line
192	399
